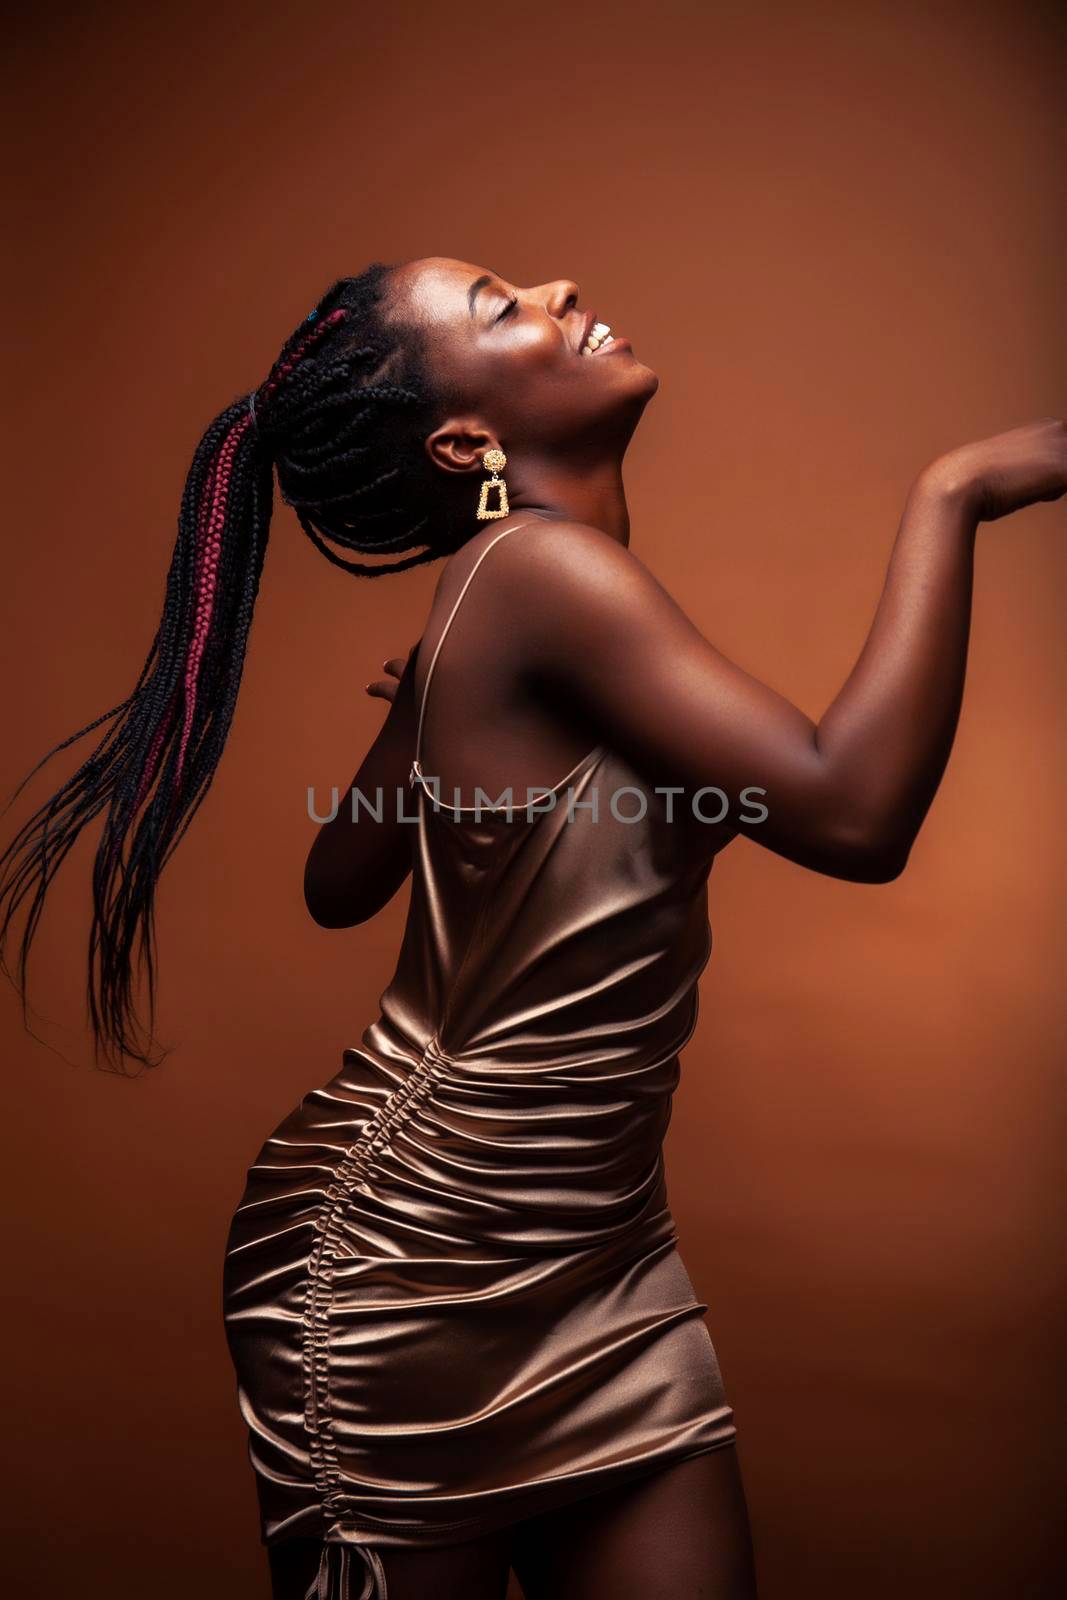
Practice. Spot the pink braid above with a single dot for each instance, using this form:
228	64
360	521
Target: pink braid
209	542
282	371
212	518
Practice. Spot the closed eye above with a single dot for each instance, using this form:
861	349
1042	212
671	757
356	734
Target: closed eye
507	310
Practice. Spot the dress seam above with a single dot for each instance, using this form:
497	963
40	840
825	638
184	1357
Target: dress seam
358	1162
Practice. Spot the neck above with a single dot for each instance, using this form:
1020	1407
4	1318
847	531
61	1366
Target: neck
591	492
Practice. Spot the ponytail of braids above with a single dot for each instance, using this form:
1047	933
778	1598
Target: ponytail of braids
342	416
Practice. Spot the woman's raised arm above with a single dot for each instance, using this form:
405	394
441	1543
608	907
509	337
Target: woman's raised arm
845	796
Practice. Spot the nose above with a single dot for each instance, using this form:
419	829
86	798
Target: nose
560	295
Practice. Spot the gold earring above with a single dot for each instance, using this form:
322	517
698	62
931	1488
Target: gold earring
493	461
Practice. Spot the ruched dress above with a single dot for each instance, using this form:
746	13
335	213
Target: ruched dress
452	1290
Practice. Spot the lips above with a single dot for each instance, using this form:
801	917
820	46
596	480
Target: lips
585	327
608	341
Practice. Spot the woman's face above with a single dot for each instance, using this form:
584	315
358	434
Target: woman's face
510	357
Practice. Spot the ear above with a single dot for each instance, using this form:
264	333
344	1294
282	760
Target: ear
459	444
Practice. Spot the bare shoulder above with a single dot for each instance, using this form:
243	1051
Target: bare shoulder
553	562
572	601
561	540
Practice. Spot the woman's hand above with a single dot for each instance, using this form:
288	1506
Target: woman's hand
385	688
994	477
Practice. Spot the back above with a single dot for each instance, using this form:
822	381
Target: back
551	955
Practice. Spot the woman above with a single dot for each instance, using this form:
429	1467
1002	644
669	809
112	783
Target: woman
463	1334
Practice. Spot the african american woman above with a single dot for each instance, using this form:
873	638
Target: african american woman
464	1339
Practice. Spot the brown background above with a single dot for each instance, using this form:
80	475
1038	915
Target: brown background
837	233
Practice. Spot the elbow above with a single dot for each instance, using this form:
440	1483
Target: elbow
323	915
881	865
869	854
345	901
325	908
329	917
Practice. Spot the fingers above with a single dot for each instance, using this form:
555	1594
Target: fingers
385	688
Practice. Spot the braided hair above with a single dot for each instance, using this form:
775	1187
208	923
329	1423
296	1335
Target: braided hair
342	416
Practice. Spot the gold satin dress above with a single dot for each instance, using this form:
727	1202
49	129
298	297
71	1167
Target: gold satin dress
452	1290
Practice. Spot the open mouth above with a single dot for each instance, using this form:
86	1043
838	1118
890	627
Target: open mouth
598	337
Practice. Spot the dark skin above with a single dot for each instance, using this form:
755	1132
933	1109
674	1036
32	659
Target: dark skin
677	1533
566	641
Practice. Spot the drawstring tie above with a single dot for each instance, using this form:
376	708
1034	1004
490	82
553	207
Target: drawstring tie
373	1582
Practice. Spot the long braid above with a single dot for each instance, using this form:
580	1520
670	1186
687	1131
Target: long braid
342	415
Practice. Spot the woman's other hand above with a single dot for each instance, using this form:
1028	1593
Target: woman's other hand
358	862
385	688
996	476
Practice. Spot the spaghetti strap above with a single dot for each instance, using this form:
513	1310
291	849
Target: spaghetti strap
444	632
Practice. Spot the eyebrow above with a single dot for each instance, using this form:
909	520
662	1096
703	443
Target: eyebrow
479	283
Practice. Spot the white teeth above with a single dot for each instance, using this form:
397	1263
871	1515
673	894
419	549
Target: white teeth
599	334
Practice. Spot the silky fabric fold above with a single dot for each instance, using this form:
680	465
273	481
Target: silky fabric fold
452	1290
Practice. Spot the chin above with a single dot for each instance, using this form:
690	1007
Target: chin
645	383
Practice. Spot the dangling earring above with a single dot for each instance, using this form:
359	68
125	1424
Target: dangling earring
493	461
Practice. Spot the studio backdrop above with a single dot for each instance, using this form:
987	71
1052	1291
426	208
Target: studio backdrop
836	232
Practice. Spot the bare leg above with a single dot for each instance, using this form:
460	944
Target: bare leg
477	1570
681	1531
